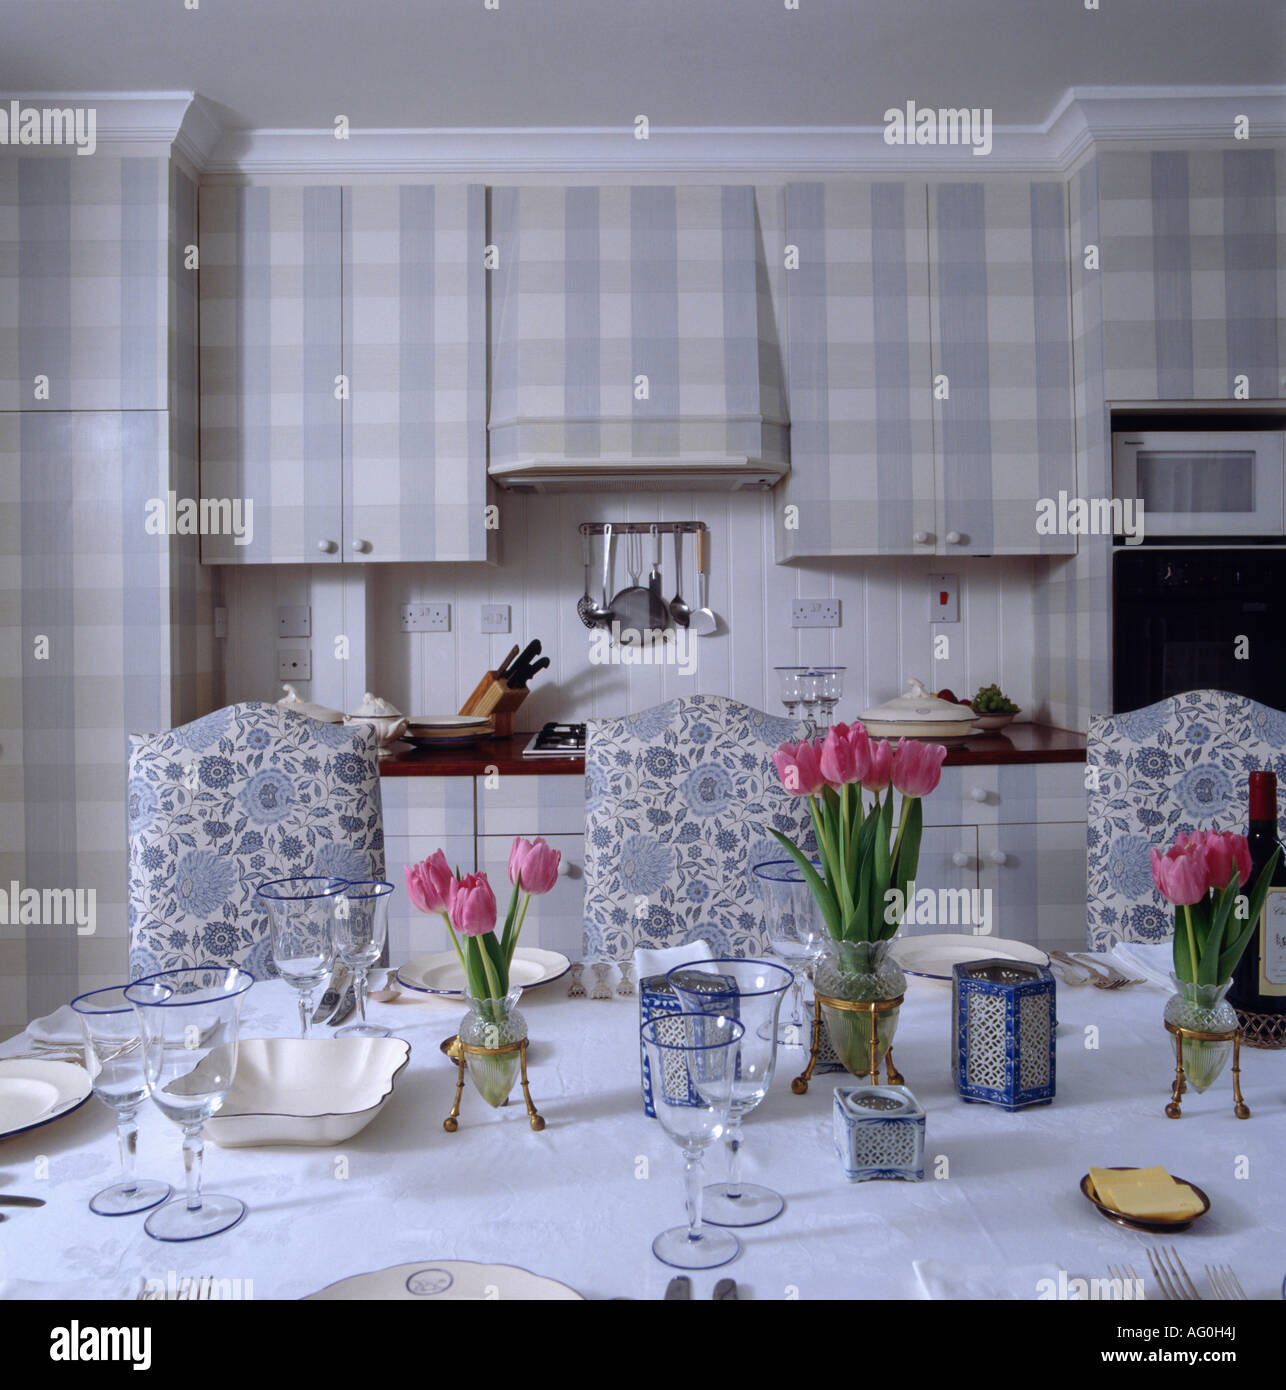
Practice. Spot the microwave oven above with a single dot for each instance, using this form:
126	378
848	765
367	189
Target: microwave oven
1202	484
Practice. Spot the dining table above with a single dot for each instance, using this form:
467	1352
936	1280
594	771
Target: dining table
581	1201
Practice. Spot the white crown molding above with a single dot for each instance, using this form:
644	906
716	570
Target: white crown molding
1084	117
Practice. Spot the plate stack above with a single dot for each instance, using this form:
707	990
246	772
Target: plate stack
449	730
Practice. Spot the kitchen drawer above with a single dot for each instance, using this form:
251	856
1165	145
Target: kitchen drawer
1036	874
430	807
531	805
555	920
1009	794
412	933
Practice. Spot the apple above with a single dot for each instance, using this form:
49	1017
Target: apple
948	695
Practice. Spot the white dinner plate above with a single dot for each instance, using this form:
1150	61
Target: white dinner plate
933	955
451	723
68	1081
441	973
447	1281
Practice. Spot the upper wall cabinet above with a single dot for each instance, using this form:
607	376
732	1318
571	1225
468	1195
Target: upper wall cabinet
271	368
857	332
1193	260
415	345
83	279
1002	364
929	367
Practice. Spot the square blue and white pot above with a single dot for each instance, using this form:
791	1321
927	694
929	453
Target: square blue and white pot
879	1133
1003	1025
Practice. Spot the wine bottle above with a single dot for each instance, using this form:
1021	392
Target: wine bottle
1258	990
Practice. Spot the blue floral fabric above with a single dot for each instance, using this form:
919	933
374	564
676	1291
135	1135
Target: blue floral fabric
1180	764
679	799
221	805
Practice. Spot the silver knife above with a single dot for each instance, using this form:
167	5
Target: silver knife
725	1291
8	1199
679	1289
340	978
346	1008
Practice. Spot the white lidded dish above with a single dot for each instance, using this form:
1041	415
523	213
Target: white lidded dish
322	713
919	714
310	1091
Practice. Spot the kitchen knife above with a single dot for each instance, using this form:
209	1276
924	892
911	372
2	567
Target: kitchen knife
520	681
522	668
504	665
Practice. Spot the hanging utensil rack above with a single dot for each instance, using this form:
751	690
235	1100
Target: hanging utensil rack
643	528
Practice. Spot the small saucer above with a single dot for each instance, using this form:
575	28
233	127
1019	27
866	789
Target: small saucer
1133	1223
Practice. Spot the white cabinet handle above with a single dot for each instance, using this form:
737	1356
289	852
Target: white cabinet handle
960	859
327	547
922	538
953	538
361	547
564	867
978	793
998	856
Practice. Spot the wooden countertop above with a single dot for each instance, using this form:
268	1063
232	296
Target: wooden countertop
1019	743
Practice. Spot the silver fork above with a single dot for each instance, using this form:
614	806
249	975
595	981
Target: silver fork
1225	1283
1097	978
1125	1276
1110	971
1171	1275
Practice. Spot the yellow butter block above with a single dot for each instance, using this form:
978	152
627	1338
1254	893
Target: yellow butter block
1147	1193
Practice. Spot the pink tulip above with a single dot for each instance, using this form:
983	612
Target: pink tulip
473	905
917	767
879	770
537	863
428	885
1181	874
799	767
1226	853
845	754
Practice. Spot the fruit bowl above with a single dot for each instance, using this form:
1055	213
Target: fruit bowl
991	723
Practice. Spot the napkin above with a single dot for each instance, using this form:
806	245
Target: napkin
68	1290
61	1027
1153	960
659	962
947	1280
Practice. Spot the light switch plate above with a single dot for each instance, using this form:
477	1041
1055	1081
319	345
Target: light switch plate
814	612
495	617
294	664
426	617
294	620
944	598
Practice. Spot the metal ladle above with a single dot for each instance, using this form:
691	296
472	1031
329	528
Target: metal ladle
601	613
679	610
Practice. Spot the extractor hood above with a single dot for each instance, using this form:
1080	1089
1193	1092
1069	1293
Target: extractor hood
635	344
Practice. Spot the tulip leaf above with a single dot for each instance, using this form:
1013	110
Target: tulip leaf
825	898
1208	965
880	866
908	851
1232	952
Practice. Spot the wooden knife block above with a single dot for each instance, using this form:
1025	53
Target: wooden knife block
492	696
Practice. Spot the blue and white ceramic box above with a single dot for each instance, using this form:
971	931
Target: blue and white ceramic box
879	1133
655	998
1003	1027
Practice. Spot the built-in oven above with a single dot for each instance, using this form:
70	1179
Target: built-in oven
1203	481
1199	618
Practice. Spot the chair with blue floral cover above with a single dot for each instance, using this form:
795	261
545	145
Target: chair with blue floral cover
217	807
1180	764
678	801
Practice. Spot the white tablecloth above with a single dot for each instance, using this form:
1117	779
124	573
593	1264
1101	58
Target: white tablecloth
581	1201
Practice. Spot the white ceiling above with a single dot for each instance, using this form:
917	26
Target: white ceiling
454	63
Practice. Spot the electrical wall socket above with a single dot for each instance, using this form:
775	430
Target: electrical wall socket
426	617
814	612
294	664
295	620
495	617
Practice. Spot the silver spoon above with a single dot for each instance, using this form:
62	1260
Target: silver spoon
679	610
586	608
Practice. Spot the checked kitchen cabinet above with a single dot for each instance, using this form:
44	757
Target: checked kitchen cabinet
343	371
929	349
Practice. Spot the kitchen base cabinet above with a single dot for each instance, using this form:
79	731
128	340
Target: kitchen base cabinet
1036	876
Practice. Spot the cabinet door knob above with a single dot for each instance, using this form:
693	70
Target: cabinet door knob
953	537
564	867
978	793
922	538
361	547
998	856
327	547
960	859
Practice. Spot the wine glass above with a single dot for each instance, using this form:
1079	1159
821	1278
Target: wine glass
796	932
301	921
788	685
114	1056
751	991
691	1058
830	691
808	696
189	1021
361	924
